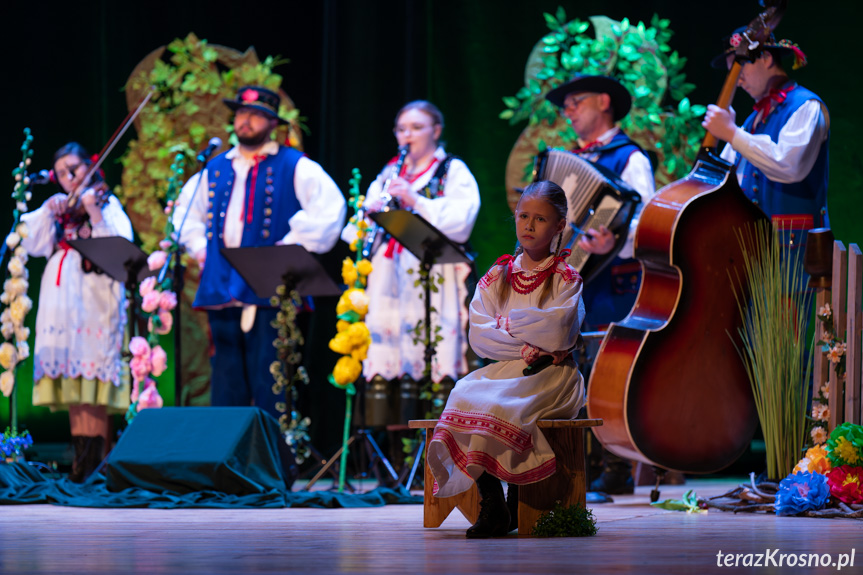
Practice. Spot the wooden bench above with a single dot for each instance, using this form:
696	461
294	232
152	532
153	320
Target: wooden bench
568	485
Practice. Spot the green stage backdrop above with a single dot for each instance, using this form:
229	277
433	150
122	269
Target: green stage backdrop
353	64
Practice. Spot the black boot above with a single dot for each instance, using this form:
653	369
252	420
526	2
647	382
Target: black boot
88	456
493	514
512	505
78	464
616	477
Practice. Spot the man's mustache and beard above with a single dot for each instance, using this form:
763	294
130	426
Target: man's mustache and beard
250	138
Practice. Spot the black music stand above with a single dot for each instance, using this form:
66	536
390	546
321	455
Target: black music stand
121	260
265	268
431	247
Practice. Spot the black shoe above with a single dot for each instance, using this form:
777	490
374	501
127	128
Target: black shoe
493	518
512	505
614	482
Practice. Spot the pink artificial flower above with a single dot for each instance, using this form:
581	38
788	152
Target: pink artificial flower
159	360
138	346
140	368
150	398
147	286
168	301
134	390
250	96
167	323
156	260
165	244
151	301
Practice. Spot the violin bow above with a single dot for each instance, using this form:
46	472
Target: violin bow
112	141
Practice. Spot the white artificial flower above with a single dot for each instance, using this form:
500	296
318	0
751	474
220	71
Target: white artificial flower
12	240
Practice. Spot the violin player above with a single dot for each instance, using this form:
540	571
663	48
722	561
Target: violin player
80	319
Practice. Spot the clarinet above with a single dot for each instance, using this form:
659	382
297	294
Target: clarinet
374	237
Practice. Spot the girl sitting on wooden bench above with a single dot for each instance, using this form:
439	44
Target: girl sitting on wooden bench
526	313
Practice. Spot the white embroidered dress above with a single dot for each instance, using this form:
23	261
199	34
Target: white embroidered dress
490	420
80	318
395	303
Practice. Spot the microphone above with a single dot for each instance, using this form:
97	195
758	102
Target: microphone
41	177
204	154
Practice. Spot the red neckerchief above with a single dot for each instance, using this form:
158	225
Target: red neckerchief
765	104
250	209
587	147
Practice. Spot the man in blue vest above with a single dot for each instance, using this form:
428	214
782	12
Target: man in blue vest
593	105
781	149
258	193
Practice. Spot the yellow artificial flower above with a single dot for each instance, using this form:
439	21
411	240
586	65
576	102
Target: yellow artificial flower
358	333
342	325
364	267
341	343
19	308
23	230
359	301
844	450
7	383
349	272
8	355
347	370
363	225
361	352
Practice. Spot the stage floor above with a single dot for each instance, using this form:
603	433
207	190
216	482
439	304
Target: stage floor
633	538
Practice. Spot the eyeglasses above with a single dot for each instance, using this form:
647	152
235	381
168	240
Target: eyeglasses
401	130
571	103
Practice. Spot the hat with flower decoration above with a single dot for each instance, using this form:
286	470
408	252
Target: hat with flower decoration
258	98
784	47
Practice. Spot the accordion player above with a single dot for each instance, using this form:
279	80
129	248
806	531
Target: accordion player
596	197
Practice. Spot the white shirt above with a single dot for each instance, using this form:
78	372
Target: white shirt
315	226
791	157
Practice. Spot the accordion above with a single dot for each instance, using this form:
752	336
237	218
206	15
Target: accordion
596	197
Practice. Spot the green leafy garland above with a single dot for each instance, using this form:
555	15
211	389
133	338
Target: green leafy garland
662	119
828	343
287	371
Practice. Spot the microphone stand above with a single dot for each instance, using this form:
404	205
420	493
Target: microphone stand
179	282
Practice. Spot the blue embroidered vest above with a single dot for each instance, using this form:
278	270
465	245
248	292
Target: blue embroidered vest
611	294
614	154
274	203
807	197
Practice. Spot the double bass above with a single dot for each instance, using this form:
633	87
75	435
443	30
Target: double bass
667	380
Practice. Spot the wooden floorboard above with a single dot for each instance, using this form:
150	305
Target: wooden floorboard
633	538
